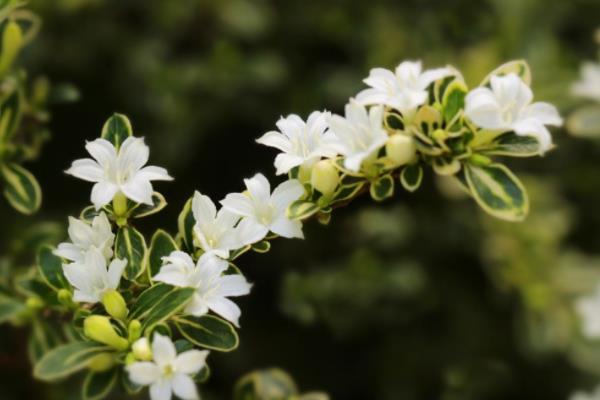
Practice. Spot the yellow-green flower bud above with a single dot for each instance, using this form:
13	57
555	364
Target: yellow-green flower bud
99	328
115	304
325	177
65	297
34	303
141	349
400	149
102	362
129	359
134	330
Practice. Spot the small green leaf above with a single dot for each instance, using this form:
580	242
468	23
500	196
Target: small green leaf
21	188
144	210
265	384
262	246
446	166
158	303
382	188
513	145
130	245
116	129
301	209
347	192
162	245
411	177
66	360
11	115
518	67
98	385
89	213
12	42
186	223
10	308
454	99
43	337
50	267
208	331
498	191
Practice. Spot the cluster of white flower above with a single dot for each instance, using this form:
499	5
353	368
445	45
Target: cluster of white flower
310	152
588	85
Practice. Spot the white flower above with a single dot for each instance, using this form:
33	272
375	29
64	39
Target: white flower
507	107
83	236
267	210
579	395
91	278
589	84
118	171
404	90
588	308
360	134
219	232
212	287
169	373
301	143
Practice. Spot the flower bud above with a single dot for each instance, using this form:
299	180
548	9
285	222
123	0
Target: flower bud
34	303
65	297
99	328
400	149
102	362
115	304
141	349
134	331
325	177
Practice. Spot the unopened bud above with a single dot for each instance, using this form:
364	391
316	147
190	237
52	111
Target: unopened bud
99	328
400	149
34	303
115	304
141	349
102	362
65	297
134	330
325	177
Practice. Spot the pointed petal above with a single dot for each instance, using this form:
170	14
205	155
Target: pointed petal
143	373
153	173
233	285
226	309
69	251
138	189
259	188
163	350
86	169
133	154
115	271
103	193
204	209
287	228
191	362
239	204
161	390
276	140
184	387
546	113
103	152
286	193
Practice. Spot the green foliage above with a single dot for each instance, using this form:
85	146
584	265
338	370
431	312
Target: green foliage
21	189
271	384
50	267
98	385
162	245
130	245
208	331
66	359
116	129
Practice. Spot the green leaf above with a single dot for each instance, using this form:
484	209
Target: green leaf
454	99
162	245
131	246
116	129
208	331
98	385
66	360
89	213
347	192
10	308
382	188
185	223
265	384
301	209
144	210
498	191
262	246
12	110
518	67
158	303
411	177
43	337
585	122
50	267
21	188
446	166
12	42
512	145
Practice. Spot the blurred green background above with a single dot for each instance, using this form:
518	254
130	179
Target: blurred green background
422	297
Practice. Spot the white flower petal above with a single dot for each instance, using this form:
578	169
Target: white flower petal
259	188
86	169
233	285
138	189
161	390
197	306
239	204
103	193
533	128
191	362
133	154
249	231
69	251
103	151
184	387
286	193
143	373
115	271
163	350
154	173
276	140
203	208
83	297
546	113
287	228
226	309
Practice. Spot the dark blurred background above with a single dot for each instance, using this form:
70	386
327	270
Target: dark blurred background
422	297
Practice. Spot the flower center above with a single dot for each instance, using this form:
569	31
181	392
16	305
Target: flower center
168	371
